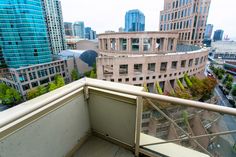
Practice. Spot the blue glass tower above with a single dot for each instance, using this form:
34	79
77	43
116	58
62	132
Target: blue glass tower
23	33
134	21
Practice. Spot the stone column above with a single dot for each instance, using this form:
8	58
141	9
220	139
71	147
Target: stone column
109	44
129	44
153	48
117	44
175	45
165	44
141	45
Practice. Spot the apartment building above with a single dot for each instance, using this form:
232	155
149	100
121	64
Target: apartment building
186	17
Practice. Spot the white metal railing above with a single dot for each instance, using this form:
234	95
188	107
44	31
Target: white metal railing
17	112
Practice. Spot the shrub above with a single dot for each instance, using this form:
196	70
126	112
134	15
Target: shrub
187	80
180	84
159	90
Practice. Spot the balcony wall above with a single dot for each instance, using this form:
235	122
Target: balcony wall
57	123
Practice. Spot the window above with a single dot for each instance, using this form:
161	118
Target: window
134	79
159	76
123	69
127	80
119	80
151	67
26	87
174	64
183	63
141	78
196	61
147	43
138	68
135	44
153	77
190	63
163	66
147	78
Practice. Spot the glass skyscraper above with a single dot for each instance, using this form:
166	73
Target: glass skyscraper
78	28
23	33
134	21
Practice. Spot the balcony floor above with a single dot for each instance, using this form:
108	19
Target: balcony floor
97	147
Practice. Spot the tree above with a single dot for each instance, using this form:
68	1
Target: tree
234	91
220	76
187	80
9	95
74	75
52	86
59	81
33	93
180	84
93	74
228	85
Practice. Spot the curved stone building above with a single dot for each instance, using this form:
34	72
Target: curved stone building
148	58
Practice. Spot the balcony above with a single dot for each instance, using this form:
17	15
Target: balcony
93	118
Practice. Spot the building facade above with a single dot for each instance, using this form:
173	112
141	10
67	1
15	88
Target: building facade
218	35
78	28
187	17
55	26
68	28
134	21
26	78
23	39
148	58
208	32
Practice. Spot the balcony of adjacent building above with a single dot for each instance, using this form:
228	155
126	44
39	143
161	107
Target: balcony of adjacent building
94	118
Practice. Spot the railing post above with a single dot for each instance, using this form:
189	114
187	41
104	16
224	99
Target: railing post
139	110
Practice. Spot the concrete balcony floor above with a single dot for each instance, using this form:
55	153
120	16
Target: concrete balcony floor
97	147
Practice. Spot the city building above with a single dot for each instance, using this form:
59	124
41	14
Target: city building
26	78
187	17
24	37
55	26
208	32
230	67
134	21
148	59
103	118
78	28
68	28
223	50
218	35
89	33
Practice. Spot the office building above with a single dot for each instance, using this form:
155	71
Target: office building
218	35
78	28
148	59
24	37
55	26
89	33
187	17
134	21
68	28
208	32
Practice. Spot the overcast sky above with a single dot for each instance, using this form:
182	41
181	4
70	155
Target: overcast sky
104	15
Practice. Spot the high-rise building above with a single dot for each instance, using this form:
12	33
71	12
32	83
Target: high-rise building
218	35
23	34
68	28
208	32
187	17
55	26
78	28
89	33
134	21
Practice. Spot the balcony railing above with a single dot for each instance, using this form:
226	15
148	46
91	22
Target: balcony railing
62	122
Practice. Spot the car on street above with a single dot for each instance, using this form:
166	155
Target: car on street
231	100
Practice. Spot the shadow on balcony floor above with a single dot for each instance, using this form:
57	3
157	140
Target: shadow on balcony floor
97	147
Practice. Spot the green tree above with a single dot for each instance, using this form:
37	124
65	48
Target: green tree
228	85
220	76
52	86
9	95
180	84
93	74
33	93
41	90
159	90
74	75
234	90
59	81
187	80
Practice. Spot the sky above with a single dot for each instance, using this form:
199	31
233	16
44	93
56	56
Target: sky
103	15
